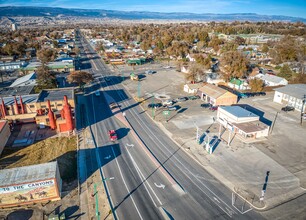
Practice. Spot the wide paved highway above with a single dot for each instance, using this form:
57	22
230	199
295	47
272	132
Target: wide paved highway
156	179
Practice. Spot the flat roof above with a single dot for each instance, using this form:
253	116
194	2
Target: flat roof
238	111
213	91
26	99
27	174
55	94
16	90
251	127
294	90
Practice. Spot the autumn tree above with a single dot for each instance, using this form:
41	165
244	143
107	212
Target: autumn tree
196	72
285	72
46	55
256	84
233	64
79	77
45	78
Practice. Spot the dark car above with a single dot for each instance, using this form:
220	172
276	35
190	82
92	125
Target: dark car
181	99
287	108
193	97
213	108
173	108
206	105
155	105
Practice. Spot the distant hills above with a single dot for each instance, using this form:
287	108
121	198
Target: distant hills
11	11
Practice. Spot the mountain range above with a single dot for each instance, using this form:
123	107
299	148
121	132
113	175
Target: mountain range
12	11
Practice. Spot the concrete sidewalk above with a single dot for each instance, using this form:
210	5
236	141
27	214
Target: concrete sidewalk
242	168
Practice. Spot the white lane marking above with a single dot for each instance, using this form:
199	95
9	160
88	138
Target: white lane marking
159	185
127	188
98	156
216	199
129	145
174	156
144	179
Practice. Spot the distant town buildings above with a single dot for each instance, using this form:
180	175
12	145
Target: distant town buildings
14	27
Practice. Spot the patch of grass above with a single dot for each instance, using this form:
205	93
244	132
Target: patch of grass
61	149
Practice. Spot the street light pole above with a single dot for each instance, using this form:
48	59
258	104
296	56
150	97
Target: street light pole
302	110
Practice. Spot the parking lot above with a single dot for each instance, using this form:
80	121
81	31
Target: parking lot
240	166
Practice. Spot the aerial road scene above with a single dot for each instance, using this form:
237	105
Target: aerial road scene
171	110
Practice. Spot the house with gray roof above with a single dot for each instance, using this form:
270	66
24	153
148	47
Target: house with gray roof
27	80
292	95
271	80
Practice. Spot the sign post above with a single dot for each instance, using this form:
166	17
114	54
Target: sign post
166	113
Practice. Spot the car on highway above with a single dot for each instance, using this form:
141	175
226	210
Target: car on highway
112	135
155	105
287	108
97	92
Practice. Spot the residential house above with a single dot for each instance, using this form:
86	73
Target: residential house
27	80
192	88
238	84
292	94
271	80
216	95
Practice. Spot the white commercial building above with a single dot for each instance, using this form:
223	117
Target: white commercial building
292	95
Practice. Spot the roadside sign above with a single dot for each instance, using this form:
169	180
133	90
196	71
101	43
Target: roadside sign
166	112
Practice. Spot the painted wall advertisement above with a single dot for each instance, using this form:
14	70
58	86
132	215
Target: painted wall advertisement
28	193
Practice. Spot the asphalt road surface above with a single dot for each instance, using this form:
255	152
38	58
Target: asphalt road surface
156	180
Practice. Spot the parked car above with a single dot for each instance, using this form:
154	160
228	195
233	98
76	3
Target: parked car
206	105
112	135
168	102
113	105
181	99
213	108
193	97
287	108
172	107
149	72
155	105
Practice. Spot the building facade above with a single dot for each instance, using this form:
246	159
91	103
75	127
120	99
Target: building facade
5	133
30	184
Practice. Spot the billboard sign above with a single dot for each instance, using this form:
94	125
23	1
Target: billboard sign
28	193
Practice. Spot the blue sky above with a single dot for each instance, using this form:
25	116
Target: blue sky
296	8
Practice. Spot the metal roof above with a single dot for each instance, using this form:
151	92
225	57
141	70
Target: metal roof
19	90
27	174
272	78
26	99
27	80
213	91
55	94
294	90
238	111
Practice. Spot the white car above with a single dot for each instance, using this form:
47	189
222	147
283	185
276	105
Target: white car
97	92
168	102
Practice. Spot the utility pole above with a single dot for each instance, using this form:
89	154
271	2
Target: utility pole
264	187
273	123
138	90
153	108
302	110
